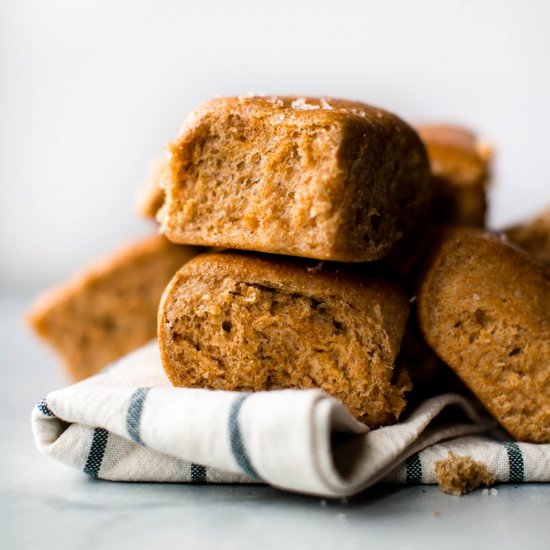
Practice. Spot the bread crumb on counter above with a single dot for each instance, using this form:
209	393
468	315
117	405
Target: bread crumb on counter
458	475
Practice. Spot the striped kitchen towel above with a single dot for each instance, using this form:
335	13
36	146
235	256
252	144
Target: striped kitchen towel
129	424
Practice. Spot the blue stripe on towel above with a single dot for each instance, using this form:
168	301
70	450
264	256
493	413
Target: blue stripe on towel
97	450
516	466
198	473
44	409
133	416
235	437
413	467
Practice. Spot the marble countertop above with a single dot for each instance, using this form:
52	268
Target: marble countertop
46	505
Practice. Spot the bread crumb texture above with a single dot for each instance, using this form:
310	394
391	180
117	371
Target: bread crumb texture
239	322
458	475
318	178
484	307
110	308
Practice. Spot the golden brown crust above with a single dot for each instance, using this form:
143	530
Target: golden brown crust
319	178
534	238
460	165
236	321
110	307
484	307
151	194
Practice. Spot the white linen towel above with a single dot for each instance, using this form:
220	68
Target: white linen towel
129	424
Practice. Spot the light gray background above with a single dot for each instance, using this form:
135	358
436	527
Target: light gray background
91	90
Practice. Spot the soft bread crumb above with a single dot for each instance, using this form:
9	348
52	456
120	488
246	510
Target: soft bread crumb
298	176
110	307
239	322
458	475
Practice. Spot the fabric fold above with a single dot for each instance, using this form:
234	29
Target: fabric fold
129	424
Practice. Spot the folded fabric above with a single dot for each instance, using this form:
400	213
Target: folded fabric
129	424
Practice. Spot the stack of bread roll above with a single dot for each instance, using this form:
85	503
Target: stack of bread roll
323	243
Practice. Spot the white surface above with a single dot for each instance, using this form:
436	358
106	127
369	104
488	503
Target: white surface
46	505
91	90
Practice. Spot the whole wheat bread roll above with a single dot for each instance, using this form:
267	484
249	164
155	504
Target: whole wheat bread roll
484	307
234	321
109	308
460	166
317	178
